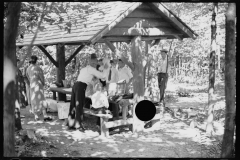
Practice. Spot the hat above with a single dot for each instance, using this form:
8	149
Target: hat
164	50
33	59
93	56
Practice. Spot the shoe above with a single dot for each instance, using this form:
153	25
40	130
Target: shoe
148	125
82	129
48	118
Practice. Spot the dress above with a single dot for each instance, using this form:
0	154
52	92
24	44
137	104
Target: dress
36	77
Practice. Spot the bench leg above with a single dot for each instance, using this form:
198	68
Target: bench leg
124	112
104	130
54	96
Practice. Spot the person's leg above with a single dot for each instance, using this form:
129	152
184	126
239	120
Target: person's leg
161	86
28	94
165	79
114	108
80	99
72	109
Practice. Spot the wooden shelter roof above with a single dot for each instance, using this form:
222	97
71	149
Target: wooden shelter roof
116	21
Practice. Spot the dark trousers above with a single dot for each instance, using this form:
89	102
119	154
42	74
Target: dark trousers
162	84
75	116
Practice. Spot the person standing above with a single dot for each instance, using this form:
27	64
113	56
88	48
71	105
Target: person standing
162	72
85	77
125	76
112	79
38	102
27	85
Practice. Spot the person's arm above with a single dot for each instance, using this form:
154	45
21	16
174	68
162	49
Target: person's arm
98	74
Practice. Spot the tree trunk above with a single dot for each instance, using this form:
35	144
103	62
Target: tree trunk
10	33
230	82
146	65
209	126
138	82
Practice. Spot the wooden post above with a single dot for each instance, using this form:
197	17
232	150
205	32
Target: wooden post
61	68
138	83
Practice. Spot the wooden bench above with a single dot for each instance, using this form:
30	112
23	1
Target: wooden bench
105	124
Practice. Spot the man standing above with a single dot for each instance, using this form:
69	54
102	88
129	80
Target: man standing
125	76
85	77
162	73
112	79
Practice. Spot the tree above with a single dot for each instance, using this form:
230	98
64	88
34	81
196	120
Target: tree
10	33
230	82
209	126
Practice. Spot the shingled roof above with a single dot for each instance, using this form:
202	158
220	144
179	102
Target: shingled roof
106	23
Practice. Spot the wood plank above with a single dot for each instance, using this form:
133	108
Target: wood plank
128	38
144	13
74	54
142	31
63	90
114	23
144	6
60	57
57	40
162	10
48	55
110	45
104	129
118	123
178	37
80	32
156	42
91	112
143	23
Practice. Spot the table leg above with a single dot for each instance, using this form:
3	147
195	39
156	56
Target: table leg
104	130
124	112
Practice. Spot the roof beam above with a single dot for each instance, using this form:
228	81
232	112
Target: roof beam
74	54
48	55
178	37
114	23
110	45
158	7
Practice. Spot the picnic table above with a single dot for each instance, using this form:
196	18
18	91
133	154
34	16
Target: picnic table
105	124
63	90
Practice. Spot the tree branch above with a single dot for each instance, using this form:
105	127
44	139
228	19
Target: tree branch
35	35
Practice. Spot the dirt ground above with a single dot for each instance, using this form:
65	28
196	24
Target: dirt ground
169	137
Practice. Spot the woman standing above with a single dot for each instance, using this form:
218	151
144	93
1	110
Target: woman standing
36	78
27	84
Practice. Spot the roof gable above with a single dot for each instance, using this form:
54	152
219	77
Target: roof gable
115	17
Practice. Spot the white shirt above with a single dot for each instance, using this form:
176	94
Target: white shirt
114	76
163	66
87	73
99	99
125	74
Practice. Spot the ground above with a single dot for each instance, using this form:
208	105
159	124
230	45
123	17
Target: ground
168	137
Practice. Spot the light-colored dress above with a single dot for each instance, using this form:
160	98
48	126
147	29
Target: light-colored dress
36	77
